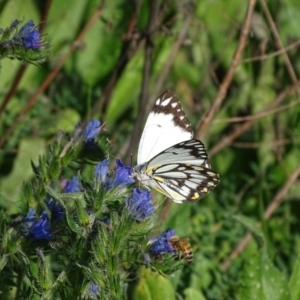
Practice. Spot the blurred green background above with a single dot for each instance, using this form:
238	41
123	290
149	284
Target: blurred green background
132	52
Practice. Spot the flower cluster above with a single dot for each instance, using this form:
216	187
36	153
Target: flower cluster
28	36
102	221
40	229
24	44
68	186
139	203
121	177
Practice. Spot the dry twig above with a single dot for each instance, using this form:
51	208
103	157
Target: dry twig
245	126
280	46
228	77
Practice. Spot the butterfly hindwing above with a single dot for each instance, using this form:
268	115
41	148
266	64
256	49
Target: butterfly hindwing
182	172
192	151
192	184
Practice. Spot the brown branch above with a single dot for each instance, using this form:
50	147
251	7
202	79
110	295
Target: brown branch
275	203
272	144
228	77
259	115
270	55
245	126
52	75
45	15
12	88
279	43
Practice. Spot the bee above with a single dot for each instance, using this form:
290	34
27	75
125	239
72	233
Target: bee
182	245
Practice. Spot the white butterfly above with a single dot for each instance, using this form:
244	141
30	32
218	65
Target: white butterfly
169	159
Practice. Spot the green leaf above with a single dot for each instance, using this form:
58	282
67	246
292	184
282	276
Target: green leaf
261	280
128	84
252	226
11	185
193	294
69	216
153	286
294	281
64	120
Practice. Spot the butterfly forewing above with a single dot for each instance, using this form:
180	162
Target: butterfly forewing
166	126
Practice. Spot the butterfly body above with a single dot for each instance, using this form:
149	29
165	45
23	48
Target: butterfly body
169	159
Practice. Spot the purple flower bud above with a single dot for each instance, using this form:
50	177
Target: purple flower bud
139	204
29	35
101	170
30	218
94	288
122	175
92	129
40	230
72	186
57	212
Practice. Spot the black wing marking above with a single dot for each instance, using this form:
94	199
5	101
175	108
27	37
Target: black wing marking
197	182
174	108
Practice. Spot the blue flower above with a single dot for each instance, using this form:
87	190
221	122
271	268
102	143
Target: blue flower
122	175
139	204
40	230
101	170
94	288
72	186
30	218
160	243
91	130
57	212
29	36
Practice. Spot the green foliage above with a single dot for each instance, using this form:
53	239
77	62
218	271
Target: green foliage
105	77
153	287
261	280
92	239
